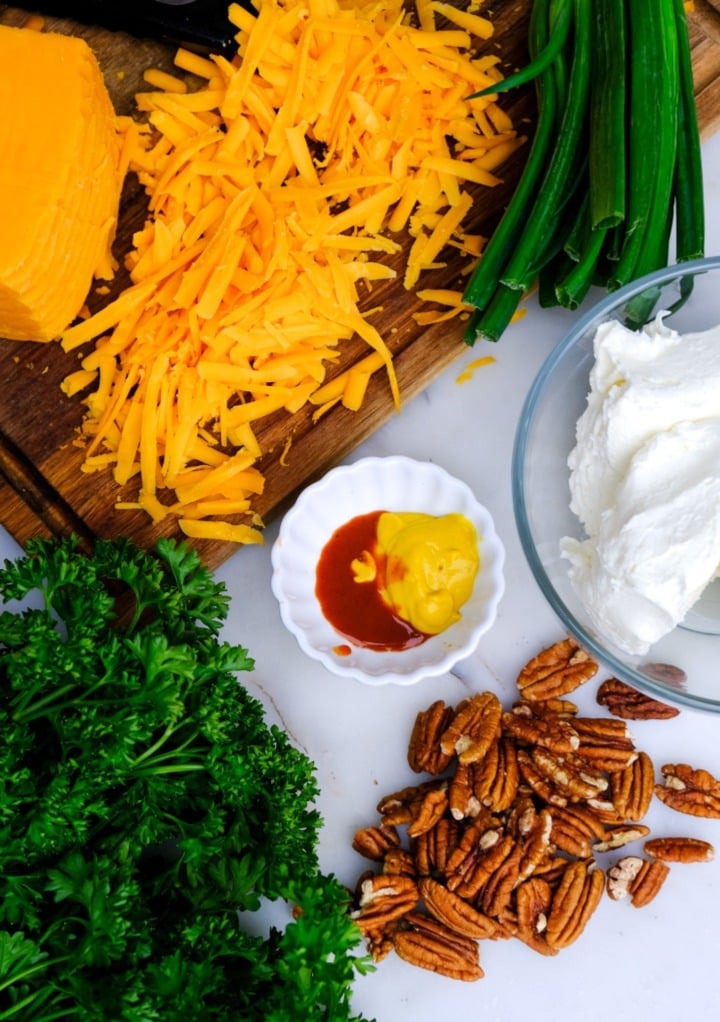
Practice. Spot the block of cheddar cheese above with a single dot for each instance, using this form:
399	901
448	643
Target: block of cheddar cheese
60	181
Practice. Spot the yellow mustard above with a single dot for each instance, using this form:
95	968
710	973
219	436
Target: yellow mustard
425	566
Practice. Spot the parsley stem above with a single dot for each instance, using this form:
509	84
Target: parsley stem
178	768
149	754
18	977
152	749
17	1009
37	708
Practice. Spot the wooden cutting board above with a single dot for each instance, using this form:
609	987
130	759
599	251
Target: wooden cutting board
43	491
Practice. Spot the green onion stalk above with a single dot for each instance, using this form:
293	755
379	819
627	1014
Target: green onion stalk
614	162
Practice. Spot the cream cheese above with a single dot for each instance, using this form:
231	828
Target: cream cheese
645	481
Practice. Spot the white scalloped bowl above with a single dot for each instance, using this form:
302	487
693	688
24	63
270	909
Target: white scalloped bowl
390	484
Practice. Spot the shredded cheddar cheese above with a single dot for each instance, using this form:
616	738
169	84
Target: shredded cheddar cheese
469	371
277	184
34	22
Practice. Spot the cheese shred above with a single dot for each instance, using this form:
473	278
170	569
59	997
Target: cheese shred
275	182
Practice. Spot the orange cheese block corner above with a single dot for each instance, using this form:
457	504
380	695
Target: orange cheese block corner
60	181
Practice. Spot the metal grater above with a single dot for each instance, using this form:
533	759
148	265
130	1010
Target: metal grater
198	24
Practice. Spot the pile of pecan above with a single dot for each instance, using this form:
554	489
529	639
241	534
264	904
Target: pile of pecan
501	840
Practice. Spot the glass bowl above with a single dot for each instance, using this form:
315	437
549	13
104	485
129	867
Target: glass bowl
393	483
680	668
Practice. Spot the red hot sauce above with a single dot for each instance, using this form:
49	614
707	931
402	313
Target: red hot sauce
359	612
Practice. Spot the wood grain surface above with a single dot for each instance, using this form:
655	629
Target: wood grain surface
43	490
704	25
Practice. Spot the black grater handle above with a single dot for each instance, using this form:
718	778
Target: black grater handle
198	24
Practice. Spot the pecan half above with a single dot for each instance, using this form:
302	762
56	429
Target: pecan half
631	789
381	943
382	899
452	910
538	781
430	945
605	742
679	849
552	732
398	860
496	893
477	838
551	869
470	868
403	806
648	882
429	810
374	842
618	837
433	849
569	775
556	671
473	728
608	758
424	751
621	876
691	791
496	776
462	799
561	708
533	899
669	674
627	702
576	898
605	810
574	829
638	878
603	731
535	831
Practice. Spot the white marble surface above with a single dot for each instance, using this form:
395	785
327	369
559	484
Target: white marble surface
658	963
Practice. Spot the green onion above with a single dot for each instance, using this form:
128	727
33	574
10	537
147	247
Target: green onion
607	115
555	269
572	288
485	277
500	310
522	266
654	91
579	229
614	163
559	29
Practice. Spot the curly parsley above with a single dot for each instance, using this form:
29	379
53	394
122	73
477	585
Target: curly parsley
145	802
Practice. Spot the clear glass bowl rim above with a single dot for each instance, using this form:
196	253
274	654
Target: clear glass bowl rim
600	309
